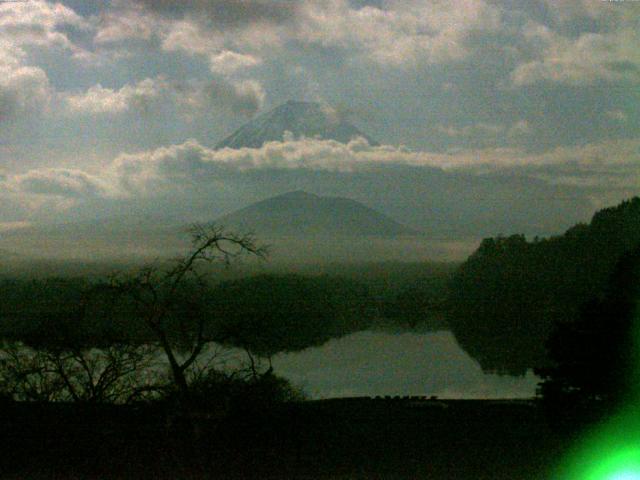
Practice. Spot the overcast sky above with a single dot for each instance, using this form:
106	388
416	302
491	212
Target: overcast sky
104	102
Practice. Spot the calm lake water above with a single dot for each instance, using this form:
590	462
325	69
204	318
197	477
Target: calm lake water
379	363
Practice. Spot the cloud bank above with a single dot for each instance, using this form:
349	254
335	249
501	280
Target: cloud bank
537	93
193	172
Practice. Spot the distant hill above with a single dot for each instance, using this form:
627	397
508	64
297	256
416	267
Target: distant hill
302	119
511	293
304	214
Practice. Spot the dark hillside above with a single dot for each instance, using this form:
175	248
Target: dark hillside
507	297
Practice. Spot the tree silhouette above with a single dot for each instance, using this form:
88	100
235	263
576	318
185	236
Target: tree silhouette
509	295
595	357
60	346
171	301
118	373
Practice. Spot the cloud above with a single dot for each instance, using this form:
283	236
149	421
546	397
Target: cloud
591	57
404	32
60	182
100	100
611	163
487	134
519	129
607	13
130	24
37	22
23	88
10	226
407	32
228	62
185	165
192	179
190	162
13	209
225	52
25	27
227	33
243	97
226	14
617	115
484	129
196	64
192	38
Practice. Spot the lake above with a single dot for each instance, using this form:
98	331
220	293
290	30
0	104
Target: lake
372	363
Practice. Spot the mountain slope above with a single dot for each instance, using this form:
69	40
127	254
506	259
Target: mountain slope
302	119
301	213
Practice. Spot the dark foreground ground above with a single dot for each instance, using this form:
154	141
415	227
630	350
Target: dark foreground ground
337	439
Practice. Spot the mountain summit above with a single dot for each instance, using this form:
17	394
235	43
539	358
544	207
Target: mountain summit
304	214
302	119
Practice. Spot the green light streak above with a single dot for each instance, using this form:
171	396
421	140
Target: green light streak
611	451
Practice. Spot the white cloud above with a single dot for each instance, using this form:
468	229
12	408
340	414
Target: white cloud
228	62
23	88
590	58
24	26
198	28
36	22
192	38
100	100
189	163
192	98
133	23
60	182
407	32
235	34
193	172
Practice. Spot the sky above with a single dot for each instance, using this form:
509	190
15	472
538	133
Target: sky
113	106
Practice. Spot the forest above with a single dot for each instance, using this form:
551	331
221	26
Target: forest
507	298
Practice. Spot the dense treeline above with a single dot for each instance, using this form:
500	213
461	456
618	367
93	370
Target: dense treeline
267	314
506	299
293	310
595	359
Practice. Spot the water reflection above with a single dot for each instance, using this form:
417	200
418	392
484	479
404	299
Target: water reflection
382	363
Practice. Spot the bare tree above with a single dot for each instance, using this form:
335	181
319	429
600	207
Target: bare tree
169	300
119	373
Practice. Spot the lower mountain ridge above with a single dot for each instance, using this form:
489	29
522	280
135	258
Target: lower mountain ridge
304	214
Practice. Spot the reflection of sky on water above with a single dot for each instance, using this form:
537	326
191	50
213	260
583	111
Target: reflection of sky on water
378	363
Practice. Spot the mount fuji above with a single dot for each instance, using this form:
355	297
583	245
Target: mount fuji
301	119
